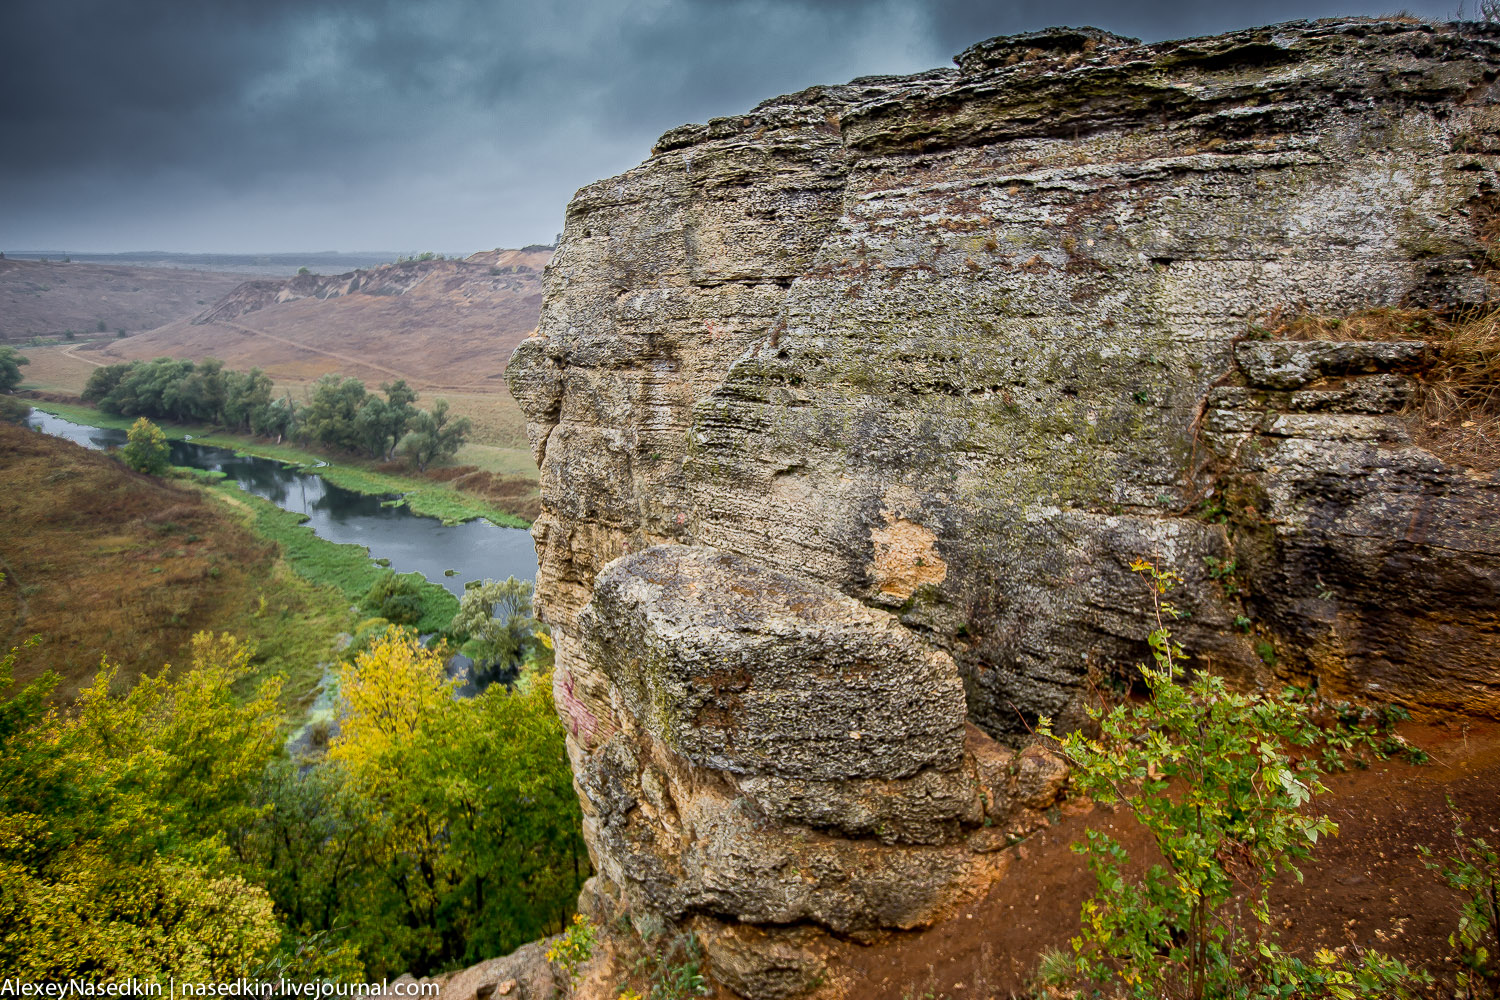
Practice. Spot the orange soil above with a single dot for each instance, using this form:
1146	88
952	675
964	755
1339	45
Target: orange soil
1367	888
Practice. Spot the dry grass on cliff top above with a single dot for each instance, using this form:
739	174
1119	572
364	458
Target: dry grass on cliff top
1457	409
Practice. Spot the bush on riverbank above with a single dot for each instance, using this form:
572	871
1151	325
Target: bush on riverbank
396	597
146	451
13	410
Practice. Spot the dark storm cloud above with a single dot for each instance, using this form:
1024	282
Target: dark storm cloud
447	124
958	23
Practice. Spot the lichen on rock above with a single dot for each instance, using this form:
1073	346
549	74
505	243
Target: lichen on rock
854	411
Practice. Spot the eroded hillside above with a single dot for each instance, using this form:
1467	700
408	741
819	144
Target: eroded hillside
438	323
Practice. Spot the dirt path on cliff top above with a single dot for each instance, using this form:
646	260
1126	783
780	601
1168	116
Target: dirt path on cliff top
1367	887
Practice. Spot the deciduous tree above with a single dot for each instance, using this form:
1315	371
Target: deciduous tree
113	861
433	436
146	449
10	369
497	618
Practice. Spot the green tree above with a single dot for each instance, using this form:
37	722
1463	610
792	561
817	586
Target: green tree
146	450
472	822
245	394
279	418
433	437
329	418
142	388
396	597
10	369
371	427
1219	780
14	410
198	394
380	423
103	381
497	619
308	841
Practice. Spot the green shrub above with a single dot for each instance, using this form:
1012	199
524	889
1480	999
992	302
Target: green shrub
13	410
673	969
496	617
396	597
10	368
1474	870
146	450
1219	780
573	947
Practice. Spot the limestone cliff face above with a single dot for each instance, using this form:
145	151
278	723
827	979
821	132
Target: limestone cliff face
853	411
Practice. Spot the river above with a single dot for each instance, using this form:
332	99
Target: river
474	550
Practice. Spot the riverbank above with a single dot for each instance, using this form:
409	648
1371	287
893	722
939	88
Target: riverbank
101	561
432	497
345	568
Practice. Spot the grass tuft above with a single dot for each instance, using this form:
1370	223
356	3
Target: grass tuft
1456	413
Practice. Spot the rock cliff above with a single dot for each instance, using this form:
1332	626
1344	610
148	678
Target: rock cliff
853	412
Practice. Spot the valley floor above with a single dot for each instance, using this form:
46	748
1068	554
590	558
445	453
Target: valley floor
100	560
451	493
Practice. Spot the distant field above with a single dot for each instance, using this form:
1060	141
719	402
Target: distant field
54	369
48	298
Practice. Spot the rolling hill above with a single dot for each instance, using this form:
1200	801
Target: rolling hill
440	324
44	298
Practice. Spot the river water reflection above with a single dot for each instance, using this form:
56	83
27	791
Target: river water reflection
413	543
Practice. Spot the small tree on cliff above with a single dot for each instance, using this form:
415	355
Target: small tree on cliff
147	448
1219	781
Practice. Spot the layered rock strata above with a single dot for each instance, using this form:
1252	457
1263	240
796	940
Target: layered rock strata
854	411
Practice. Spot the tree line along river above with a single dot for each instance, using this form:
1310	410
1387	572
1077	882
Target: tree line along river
474	550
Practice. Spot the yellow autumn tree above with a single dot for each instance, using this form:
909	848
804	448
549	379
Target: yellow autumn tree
389	693
470	841
113	858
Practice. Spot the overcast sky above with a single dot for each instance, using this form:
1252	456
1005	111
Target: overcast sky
447	125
